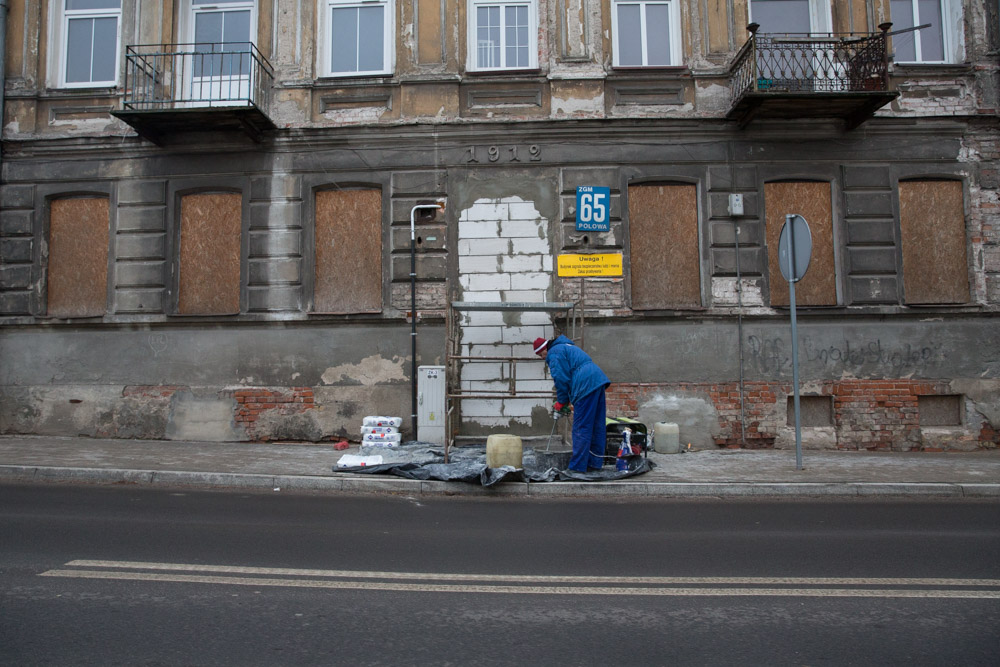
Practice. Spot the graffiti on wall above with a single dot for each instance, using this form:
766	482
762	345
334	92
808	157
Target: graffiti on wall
773	355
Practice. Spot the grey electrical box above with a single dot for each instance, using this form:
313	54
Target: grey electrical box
735	204
431	404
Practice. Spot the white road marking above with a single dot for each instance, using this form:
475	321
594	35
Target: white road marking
435	576
543	590
529	584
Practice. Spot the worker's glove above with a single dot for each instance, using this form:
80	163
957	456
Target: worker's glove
559	408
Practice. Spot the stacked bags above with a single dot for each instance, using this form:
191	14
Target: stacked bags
381	431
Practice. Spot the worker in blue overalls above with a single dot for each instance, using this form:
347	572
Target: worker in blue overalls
580	383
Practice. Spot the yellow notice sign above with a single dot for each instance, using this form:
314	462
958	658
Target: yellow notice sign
609	264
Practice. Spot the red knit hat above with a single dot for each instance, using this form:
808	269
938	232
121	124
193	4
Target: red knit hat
540	344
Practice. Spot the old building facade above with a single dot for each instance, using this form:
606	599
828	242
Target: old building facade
207	214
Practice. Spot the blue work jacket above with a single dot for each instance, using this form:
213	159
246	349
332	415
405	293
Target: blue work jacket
573	371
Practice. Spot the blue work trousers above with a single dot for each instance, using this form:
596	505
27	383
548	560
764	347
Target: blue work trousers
589	434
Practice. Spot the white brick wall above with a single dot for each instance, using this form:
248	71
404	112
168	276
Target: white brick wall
477	264
491	247
520	263
724	292
482	318
526	246
484	371
504	254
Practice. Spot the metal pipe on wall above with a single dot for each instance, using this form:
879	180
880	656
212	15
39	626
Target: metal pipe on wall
3	60
739	330
413	307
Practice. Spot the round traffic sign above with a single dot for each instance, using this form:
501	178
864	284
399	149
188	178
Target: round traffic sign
794	247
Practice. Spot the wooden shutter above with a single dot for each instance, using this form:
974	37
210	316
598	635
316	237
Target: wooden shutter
209	282
78	257
814	202
932	224
348	251
663	246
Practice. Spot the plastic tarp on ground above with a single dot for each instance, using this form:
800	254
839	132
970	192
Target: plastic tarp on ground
420	460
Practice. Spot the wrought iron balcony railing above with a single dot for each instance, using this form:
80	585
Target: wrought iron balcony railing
779	63
165	77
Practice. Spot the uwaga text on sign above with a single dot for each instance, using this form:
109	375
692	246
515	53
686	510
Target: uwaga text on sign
596	264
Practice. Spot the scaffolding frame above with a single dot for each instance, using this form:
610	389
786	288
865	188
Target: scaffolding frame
572	315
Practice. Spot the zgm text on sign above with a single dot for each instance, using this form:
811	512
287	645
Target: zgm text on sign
593	209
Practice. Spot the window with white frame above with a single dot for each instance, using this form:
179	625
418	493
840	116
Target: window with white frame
503	35
88	39
939	43
358	37
221	33
792	16
646	33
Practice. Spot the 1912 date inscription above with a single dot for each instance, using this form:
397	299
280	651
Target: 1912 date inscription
475	154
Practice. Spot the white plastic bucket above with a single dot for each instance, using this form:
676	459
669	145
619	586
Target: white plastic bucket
503	449
666	438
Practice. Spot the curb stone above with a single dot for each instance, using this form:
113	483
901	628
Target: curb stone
345	483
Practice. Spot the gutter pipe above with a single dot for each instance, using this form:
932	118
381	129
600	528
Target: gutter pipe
413	306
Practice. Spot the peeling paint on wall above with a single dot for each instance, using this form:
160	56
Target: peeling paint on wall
370	371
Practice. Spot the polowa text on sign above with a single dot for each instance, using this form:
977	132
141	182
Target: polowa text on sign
596	264
593	209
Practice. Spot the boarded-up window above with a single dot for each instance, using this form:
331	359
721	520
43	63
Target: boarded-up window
210	254
813	410
932	223
814	202
78	257
348	251
663	243
940	410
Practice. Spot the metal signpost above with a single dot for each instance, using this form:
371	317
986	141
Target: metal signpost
794	253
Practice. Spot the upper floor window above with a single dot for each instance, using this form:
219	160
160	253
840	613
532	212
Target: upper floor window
791	16
89	40
358	37
503	35
222	33
940	43
646	33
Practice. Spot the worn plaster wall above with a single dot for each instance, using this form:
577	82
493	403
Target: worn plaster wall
251	383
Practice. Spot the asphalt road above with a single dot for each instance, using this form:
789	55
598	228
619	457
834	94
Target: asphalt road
142	576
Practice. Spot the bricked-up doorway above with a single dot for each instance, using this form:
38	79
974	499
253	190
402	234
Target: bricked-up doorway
77	278
504	255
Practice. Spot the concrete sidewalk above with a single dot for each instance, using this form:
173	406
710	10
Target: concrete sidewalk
294	466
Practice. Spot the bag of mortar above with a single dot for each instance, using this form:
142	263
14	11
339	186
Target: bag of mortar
394	422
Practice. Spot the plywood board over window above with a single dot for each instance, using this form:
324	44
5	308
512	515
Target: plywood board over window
932	224
78	257
663	243
814	202
209	282
348	251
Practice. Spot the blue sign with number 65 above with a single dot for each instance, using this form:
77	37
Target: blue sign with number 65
593	209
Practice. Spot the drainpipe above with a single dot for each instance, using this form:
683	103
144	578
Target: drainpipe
413	305
739	332
3	56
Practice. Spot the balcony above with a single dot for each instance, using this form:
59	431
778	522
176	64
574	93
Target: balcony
803	76
175	88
